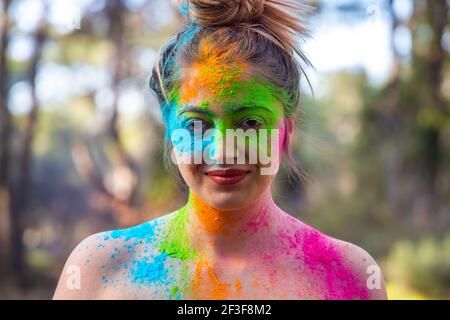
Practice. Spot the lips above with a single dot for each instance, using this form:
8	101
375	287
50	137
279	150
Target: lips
228	176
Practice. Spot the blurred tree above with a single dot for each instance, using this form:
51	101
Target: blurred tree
15	176
22	182
5	142
411	108
124	206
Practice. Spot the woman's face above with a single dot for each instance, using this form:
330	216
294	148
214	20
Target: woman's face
227	129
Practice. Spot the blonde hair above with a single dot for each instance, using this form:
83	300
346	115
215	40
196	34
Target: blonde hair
264	33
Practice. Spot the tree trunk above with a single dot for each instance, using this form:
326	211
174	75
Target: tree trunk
5	145
21	187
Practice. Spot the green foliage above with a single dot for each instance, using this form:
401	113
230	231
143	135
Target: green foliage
422	265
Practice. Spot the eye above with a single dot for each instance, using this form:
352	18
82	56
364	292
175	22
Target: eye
251	123
199	123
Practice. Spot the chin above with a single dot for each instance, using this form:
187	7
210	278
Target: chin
228	200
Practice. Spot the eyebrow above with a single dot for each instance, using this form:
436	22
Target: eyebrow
196	109
203	110
250	106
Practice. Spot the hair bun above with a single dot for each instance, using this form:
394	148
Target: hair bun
216	13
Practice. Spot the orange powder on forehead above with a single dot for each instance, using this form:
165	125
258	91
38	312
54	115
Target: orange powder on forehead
211	75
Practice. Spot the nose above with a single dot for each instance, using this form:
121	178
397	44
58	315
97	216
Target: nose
224	150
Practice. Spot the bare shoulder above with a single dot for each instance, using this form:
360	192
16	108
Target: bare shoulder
80	276
345	270
100	258
364	267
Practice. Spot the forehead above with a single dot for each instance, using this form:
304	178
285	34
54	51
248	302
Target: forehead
221	86
211	80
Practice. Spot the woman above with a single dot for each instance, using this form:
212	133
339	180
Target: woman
230	70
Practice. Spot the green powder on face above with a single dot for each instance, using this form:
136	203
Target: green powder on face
221	82
204	104
226	85
176	243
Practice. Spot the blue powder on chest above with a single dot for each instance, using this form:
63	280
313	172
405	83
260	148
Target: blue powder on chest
148	271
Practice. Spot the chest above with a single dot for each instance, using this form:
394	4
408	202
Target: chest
201	279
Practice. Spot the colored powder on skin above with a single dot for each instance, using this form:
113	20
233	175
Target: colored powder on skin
181	277
258	221
197	279
256	92
147	272
212	220
175	293
211	75
255	281
293	243
225	81
283	142
253	93
176	242
233	93
220	291
272	277
209	288
144	232
269	258
320	255
238	287
186	278
214	78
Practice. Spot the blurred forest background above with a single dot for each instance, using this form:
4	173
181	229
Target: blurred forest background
80	134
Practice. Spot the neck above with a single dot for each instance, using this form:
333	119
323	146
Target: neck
218	232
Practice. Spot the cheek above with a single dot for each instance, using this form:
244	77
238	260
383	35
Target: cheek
260	183
281	138
189	173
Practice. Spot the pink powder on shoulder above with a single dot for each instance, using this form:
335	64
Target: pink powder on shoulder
320	255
